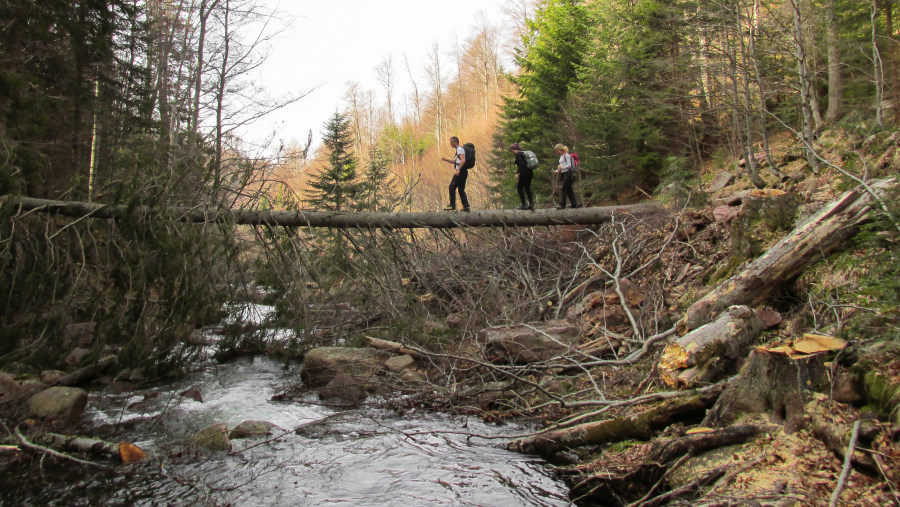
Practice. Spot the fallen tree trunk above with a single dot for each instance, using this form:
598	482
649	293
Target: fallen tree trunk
807	243
666	450
641	425
700	355
338	220
87	373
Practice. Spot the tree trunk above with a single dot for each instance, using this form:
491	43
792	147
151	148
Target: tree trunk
807	243
338	220
878	68
641	425
805	85
835	80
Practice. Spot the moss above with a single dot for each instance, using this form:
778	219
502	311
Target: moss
883	394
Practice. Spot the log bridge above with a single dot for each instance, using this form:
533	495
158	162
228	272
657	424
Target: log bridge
338	220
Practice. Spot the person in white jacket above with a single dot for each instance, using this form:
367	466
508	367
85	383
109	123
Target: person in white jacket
566	169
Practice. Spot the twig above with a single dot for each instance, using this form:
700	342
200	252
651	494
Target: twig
51	452
677	464
848	461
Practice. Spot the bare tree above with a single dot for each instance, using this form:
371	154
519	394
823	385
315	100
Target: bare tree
878	68
385	73
805	85
416	102
835	80
436	81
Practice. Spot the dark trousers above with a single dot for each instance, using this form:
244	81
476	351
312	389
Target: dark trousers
524	185
459	183
568	190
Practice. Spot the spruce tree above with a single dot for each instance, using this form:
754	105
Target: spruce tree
554	49
335	187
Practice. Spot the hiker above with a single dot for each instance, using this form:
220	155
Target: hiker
461	172
524	175
565	168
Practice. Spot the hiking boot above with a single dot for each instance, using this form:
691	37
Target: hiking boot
560	206
530	206
522	207
450	208
466	209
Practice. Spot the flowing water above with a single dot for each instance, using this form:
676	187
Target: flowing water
364	456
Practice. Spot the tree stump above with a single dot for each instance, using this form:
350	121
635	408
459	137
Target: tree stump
771	383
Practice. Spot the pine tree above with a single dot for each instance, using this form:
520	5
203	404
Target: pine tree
335	187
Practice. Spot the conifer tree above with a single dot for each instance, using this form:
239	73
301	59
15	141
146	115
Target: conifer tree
335	187
554	48
378	187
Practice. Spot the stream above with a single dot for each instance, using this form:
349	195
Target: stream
364	456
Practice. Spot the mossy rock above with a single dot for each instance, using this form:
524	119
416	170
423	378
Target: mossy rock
883	394
763	220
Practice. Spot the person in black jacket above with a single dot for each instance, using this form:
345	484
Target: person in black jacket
524	175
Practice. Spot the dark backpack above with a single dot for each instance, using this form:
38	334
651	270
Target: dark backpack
470	156
531	160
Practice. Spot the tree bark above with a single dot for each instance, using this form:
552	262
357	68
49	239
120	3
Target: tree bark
641	425
339	220
816	238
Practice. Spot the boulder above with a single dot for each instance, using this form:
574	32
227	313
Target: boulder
213	437
248	429
192	393
58	403
725	214
529	343
80	334
343	390
77	356
400	363
722	180
456	321
320	365
51	377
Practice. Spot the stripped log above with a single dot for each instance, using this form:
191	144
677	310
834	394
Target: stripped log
338	220
641	425
809	242
689	359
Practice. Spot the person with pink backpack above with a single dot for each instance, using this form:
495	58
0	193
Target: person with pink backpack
566	168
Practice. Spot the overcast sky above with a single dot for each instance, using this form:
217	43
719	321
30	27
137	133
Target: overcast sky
332	42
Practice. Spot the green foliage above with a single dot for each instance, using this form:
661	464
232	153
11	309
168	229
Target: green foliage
378	187
554	48
335	187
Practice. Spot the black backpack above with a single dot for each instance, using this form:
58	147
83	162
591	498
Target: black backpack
470	156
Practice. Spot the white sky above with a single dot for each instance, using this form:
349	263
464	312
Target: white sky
333	42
